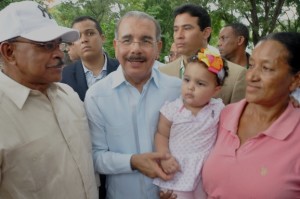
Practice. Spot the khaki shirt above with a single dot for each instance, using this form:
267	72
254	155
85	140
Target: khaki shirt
45	149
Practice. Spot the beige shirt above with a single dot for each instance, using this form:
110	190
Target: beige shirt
45	149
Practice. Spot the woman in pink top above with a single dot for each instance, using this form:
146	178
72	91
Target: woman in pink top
187	126
257	152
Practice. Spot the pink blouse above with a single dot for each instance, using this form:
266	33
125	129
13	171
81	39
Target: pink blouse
265	166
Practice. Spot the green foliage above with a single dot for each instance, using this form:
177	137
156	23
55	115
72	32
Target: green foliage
108	29
261	16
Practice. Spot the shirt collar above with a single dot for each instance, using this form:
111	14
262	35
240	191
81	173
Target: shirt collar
19	93
86	70
13	90
277	130
118	77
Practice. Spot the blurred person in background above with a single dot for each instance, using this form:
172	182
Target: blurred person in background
232	44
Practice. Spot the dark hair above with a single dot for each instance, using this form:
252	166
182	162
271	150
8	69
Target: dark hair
220	82
204	20
240	30
85	18
291	41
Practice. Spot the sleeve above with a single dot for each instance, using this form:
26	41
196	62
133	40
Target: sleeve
239	89
105	161
168	110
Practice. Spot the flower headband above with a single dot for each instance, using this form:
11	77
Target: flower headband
213	61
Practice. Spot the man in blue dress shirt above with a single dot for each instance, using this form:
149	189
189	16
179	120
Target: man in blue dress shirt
123	116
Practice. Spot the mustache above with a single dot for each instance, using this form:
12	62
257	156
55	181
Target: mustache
136	58
59	64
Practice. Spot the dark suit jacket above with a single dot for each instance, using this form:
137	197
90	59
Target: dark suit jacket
74	76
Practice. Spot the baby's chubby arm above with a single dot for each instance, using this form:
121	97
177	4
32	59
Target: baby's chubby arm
170	165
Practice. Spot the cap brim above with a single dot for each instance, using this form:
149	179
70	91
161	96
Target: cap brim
50	33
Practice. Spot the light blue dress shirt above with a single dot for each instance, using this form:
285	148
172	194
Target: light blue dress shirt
123	122
90	78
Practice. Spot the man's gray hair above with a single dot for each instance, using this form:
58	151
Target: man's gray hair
139	15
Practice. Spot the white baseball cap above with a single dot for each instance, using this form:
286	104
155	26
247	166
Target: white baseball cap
30	20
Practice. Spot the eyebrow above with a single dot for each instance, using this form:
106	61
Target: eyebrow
89	29
142	37
147	37
184	25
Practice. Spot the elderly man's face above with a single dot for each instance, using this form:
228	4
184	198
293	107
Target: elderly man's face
136	48
33	64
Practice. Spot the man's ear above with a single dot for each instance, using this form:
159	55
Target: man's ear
295	82
103	38
115	47
159	47
7	52
207	32
241	40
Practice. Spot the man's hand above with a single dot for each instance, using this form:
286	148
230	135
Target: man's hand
170	166
167	195
148	164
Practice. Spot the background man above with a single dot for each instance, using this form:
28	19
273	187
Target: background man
232	44
94	64
45	149
174	54
72	52
123	111
192	29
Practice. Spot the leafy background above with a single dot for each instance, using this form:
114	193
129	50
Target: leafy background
261	16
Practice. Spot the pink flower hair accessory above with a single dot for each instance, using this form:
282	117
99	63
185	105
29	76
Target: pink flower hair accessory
213	61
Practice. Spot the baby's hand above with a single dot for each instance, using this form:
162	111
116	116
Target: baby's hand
170	166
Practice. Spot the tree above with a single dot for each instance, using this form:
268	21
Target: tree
290	14
263	16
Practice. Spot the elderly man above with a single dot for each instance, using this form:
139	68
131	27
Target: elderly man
123	111
45	149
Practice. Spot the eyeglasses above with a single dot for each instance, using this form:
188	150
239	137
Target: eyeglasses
145	43
48	46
